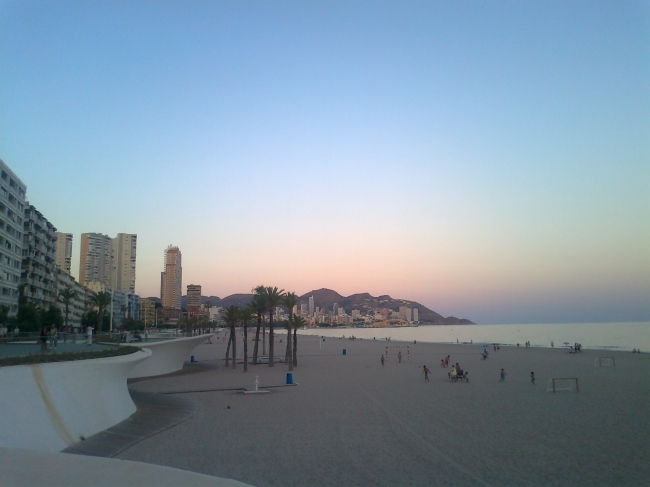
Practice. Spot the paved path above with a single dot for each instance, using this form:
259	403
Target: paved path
156	413
29	468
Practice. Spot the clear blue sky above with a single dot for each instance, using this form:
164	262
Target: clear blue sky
488	159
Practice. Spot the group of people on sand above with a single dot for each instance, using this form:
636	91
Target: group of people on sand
577	347
636	350
444	363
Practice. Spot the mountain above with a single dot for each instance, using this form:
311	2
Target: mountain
325	299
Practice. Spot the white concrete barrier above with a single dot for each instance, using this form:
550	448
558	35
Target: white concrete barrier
167	356
51	406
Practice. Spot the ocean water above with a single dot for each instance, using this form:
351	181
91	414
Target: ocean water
615	336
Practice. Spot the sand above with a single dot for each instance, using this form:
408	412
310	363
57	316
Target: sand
352	422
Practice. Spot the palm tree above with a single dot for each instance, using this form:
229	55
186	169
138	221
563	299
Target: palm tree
259	306
100	300
273	297
231	316
123	309
289	300
245	315
66	297
298	322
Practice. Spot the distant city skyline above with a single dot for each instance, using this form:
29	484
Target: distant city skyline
489	161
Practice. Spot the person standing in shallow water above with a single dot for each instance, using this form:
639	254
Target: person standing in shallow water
426	373
532	377
399	357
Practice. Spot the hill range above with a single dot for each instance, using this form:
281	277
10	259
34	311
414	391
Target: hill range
325	299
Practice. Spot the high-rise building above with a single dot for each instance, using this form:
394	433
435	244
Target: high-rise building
193	299
123	251
335	309
12	207
311	305
38	269
95	262
64	251
171	279
405	313
416	318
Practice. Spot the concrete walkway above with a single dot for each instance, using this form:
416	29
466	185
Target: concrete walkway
29	468
156	413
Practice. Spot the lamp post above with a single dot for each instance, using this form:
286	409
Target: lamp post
113	268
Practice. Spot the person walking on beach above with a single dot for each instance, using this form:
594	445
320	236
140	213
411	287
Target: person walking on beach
532	377
54	336
399	357
426	373
382	360
503	376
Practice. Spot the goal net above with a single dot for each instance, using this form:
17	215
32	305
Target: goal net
405	350
605	362
569	384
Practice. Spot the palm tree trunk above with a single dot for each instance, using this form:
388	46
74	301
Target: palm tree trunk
228	351
257	339
245	348
287	353
234	346
67	310
295	347
271	347
264	340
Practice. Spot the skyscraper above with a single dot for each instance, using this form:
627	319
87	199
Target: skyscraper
416	316
95	262
64	251
193	299
171	279
335	309
311	305
123	250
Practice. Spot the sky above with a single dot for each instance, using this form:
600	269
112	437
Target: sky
490	160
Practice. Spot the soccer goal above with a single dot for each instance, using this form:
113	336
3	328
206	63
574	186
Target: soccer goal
605	362
566	384
396	352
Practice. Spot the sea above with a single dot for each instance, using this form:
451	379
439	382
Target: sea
611	336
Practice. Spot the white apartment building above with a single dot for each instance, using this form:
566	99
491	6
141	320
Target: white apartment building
64	251
123	251
95	259
38	269
12	207
416	317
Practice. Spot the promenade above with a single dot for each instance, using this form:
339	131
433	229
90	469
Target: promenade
353	422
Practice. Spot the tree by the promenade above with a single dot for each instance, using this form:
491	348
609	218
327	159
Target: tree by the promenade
101	301
289	300
66	297
273	298
4	315
259	306
245	316
298	322
231	316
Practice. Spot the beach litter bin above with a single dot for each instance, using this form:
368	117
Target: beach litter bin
289	378
192	358
345	352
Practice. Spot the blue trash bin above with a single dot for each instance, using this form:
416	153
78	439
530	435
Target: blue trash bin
192	358
289	378
345	352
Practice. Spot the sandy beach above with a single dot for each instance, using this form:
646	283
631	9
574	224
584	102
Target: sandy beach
353	422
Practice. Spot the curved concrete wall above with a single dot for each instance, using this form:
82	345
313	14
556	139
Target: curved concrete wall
167	356
51	406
